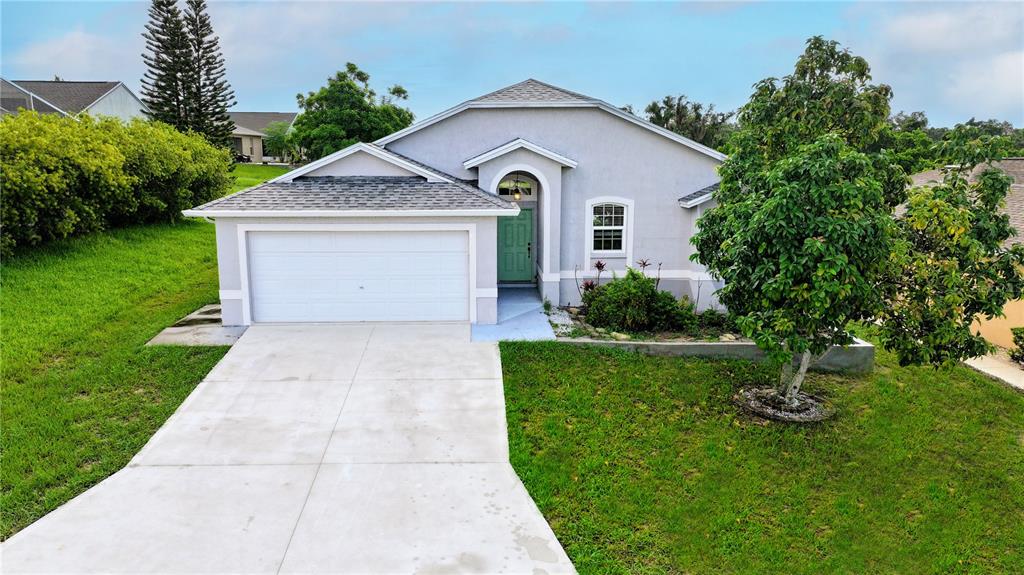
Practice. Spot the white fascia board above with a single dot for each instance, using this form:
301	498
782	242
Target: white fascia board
43	100
214	214
515	145
594	104
371	149
695	202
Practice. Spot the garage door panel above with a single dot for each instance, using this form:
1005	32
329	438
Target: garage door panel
358	276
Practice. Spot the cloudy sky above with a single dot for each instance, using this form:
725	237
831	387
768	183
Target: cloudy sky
952	60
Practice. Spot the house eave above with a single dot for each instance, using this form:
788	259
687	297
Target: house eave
234	214
695	201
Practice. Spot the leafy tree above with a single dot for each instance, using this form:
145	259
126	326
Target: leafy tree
277	141
805	236
904	122
951	264
208	95
802	231
346	111
690	119
167	58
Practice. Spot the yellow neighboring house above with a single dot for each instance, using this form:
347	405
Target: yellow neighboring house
997	330
250	127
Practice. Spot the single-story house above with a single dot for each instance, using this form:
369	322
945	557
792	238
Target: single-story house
250	130
529	185
69	98
997	330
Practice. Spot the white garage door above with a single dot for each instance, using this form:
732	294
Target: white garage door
359	276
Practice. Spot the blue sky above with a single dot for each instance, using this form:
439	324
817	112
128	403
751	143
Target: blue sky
952	60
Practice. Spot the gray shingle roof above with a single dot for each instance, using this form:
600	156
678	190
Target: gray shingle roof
259	121
357	193
533	91
694	198
71	97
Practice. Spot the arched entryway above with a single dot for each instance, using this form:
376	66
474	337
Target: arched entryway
518	248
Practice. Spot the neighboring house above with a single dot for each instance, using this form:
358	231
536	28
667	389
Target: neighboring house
528	185
66	98
997	330
250	130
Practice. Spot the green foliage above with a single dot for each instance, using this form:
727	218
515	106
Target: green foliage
207	92
67	176
691	119
712	320
633	303
347	111
951	264
1017	354
184	84
277	141
802	231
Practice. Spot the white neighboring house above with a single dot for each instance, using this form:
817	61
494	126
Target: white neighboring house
70	98
528	185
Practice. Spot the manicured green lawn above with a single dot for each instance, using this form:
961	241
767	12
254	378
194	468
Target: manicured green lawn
248	175
80	394
643	465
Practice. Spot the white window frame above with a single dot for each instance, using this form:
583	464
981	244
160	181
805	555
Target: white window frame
589	252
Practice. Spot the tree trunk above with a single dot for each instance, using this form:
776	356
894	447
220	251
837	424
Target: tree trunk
789	383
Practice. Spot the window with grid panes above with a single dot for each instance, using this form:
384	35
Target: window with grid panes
609	227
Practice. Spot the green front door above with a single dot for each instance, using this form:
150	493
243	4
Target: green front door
515	247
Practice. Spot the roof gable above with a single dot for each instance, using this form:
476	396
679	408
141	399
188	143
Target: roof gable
517	144
70	97
376	151
535	94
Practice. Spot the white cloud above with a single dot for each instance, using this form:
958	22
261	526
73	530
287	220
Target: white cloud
80	55
990	85
954	61
956	29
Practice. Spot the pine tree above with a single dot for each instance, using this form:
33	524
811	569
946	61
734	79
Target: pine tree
167	58
208	94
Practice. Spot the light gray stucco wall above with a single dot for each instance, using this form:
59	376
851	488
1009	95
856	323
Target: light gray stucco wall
119	103
486	258
615	158
360	164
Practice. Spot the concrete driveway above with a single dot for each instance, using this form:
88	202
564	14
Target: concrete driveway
316	449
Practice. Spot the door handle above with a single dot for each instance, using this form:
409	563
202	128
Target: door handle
529	249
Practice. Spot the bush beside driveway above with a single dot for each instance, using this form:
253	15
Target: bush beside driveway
642	465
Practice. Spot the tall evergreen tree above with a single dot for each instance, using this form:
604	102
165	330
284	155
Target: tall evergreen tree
167	59
208	94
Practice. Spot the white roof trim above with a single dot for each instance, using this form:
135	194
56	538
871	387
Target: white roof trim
214	214
592	104
696	201
375	151
515	145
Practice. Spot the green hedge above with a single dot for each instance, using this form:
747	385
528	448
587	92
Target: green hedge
63	176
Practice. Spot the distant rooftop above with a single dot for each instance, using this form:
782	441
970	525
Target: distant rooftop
258	121
71	97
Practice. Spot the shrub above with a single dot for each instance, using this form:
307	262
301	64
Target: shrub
1018	340
66	176
714	320
633	303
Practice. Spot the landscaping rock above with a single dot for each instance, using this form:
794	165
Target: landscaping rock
727	337
600	330
620	336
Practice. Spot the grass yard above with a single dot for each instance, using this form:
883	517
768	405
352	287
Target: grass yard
642	465
248	175
80	393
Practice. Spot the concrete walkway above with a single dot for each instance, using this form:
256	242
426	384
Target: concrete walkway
316	449
999	366
520	317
